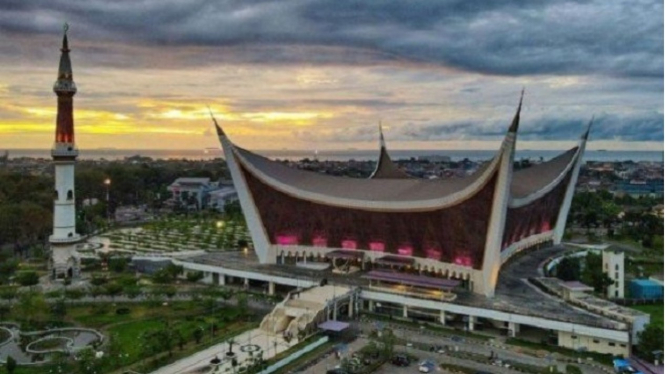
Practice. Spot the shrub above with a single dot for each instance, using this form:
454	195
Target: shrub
572	369
122	311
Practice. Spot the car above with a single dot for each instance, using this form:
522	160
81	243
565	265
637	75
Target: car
427	366
400	360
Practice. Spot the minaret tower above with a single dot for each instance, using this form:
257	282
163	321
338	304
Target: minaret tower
64	258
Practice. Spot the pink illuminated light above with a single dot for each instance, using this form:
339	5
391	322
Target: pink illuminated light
287	240
463	261
320	241
349	244
377	246
405	250
433	253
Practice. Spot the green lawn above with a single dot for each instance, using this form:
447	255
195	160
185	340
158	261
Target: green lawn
656	312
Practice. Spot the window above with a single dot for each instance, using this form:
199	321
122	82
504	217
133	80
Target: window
55	194
70	234
622	345
70	195
616	267
612	344
616	293
616	276
596	341
573	336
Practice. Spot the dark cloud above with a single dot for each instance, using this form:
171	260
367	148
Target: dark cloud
620	38
642	127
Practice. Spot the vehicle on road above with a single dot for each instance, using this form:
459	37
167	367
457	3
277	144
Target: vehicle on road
427	366
400	360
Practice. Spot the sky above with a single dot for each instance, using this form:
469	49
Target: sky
321	74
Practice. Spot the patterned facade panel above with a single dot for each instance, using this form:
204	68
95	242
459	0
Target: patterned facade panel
64	131
536	217
453	234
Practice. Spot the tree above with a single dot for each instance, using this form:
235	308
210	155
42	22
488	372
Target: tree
4	310
194	276
197	334
59	309
132	292
650	340
112	289
27	278
10	365
87	362
568	269
118	265
31	306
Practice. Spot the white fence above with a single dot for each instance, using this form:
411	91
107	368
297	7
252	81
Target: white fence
294	356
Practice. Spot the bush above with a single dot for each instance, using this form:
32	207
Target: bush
122	311
27	278
572	369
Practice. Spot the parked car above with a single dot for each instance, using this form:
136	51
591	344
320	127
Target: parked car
427	366
400	360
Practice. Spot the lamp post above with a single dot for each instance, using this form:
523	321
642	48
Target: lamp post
107	183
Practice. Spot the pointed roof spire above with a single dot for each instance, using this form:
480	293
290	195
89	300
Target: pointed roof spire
585	136
516	120
382	141
385	167
220	132
65	69
65	42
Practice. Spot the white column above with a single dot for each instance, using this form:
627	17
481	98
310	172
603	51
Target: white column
570	191
222	279
513	328
472	321
405	311
271	288
442	317
262	245
371	305
494	240
335	311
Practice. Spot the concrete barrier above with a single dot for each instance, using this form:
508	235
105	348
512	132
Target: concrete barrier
294	356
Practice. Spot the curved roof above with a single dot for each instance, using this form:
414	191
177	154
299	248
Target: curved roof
386	168
319	187
536	178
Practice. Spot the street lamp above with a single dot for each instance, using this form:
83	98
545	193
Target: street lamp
107	183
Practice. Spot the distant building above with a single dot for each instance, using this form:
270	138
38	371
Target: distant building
219	198
613	265
192	191
646	289
434	158
637	187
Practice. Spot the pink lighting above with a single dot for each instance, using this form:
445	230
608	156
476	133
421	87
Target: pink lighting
349	244
405	250
545	227
377	246
287	239
433	253
320	241
463	260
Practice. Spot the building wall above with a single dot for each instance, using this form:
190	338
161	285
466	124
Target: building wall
613	265
455	234
536	217
592	344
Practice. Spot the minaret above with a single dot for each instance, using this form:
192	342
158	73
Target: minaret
64	258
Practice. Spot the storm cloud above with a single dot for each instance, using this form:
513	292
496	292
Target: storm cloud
505	37
292	73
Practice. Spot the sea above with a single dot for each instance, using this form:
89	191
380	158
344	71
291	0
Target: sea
341	155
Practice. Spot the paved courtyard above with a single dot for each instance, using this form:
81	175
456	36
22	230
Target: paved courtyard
253	340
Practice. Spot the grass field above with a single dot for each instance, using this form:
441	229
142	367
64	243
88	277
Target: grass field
656	312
